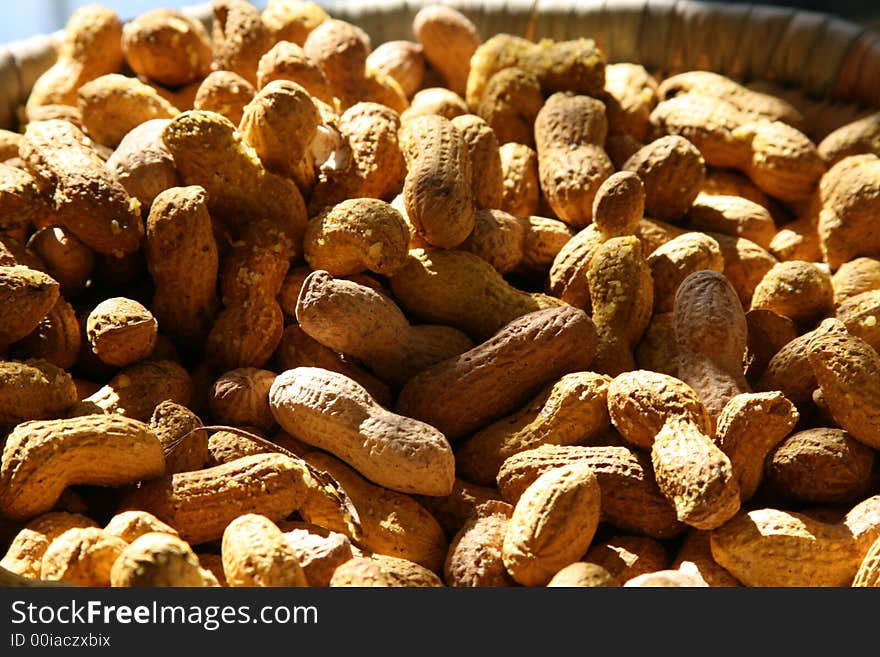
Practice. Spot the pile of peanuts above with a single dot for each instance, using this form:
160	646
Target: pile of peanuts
282	307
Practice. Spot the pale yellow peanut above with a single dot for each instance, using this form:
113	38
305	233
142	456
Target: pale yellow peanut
159	559
416	458
255	553
83	556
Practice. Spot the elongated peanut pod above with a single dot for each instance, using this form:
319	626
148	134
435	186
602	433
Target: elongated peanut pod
42	457
331	411
710	334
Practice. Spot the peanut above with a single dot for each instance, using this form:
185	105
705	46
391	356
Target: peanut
448	286
131	525
510	104
552	524
402	60
241	397
175	426
159	559
121	331
416	458
226	93
83	556
625	557
255	553
571	411
25	553
86	198
519	359
822	465
238	37
583	575
319	551
355	320
34	390
167	47
42	457
774	547
340	49
474	556
449	40
631	501
868	569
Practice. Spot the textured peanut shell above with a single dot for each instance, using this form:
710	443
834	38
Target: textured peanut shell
131	525
245	334
498	238
434	100
34	390
340	49
200	504
749	427
567	278
695	475
622	300
768	333
142	163
226	93
854	277
401	59
355	235
629	96
292	21
330	411
732	215
571	411
452	287
510	104
868	574
619	205
238	37
113	105
801	291
774	547
582	574
846	369
710	336
318	550
136	390
121	331
159	559
859	314
553	523
745	263
86	198
521	187
392	523
640	403
280	123
483	148
475	553
854	138
570	178
183	261
544	239
20	201
849	195
175	426
42	457
241	397
656	351
466	392
356	320
24	555
666	579
91	45
631	500
569	120
695	556
167	47
822	465
375	168
26	296
438	190
255	553
577	65
448	39
789	369
67	260
673	171
82	556
672	262
298	349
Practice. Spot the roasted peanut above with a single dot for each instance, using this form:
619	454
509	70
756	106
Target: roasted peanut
357	321
255	553
152	44
801	291
83	556
625	557
520	358
521	187
340	49
571	411
25	553
121	331
453	287
226	93
402	60
416	457
318	550
159	559
474	556
34	390
42	457
775	547
238	37
510	104
583	575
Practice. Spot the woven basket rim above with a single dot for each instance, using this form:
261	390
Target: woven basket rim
857	45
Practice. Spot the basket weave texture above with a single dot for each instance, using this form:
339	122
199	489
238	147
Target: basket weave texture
824	57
